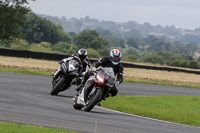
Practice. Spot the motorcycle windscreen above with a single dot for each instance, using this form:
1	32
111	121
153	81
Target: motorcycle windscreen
111	78
109	71
73	65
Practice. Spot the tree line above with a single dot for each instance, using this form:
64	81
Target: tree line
126	29
34	33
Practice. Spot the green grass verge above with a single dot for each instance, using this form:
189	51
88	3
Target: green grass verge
179	109
23	71
16	128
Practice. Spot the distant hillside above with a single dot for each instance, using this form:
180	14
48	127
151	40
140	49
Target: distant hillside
131	28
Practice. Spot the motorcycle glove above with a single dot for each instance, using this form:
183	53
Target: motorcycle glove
93	69
117	83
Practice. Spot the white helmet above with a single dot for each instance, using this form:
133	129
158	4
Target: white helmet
115	56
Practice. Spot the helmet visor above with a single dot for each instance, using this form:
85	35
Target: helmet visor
115	59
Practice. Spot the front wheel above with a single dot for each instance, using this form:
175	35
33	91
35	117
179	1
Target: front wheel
57	86
94	100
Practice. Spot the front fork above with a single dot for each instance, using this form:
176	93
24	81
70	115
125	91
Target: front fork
82	98
88	88
55	75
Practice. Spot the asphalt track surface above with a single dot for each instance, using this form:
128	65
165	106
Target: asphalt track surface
25	99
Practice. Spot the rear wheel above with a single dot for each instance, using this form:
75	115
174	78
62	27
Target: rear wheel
94	100
57	86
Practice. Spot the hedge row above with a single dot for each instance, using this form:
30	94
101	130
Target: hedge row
187	64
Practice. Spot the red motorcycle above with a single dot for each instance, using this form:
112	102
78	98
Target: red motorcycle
96	89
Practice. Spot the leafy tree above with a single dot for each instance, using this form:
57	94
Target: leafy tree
85	38
192	48
65	48
92	53
194	64
41	29
103	33
190	38
42	47
189	49
167	55
184	63
159	45
153	58
174	63
72	51
198	59
72	34
129	58
182	57
130	51
90	39
19	44
188	64
12	13
175	59
119	48
104	51
131	24
165	38
116	41
177	48
132	43
62	47
133	33
149	39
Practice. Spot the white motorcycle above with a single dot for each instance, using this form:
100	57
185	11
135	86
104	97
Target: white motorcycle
66	76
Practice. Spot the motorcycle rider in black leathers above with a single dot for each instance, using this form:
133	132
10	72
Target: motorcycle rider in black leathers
112	61
83	60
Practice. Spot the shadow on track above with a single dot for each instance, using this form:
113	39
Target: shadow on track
64	96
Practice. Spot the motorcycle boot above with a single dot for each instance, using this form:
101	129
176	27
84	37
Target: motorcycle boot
79	99
99	103
79	87
87	76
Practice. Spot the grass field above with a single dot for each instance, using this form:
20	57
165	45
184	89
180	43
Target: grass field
17	128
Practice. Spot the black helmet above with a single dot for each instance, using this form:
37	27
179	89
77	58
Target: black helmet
82	54
115	56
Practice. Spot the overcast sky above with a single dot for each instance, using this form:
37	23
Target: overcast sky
180	13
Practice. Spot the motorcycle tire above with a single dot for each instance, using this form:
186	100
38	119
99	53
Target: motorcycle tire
94	101
56	88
